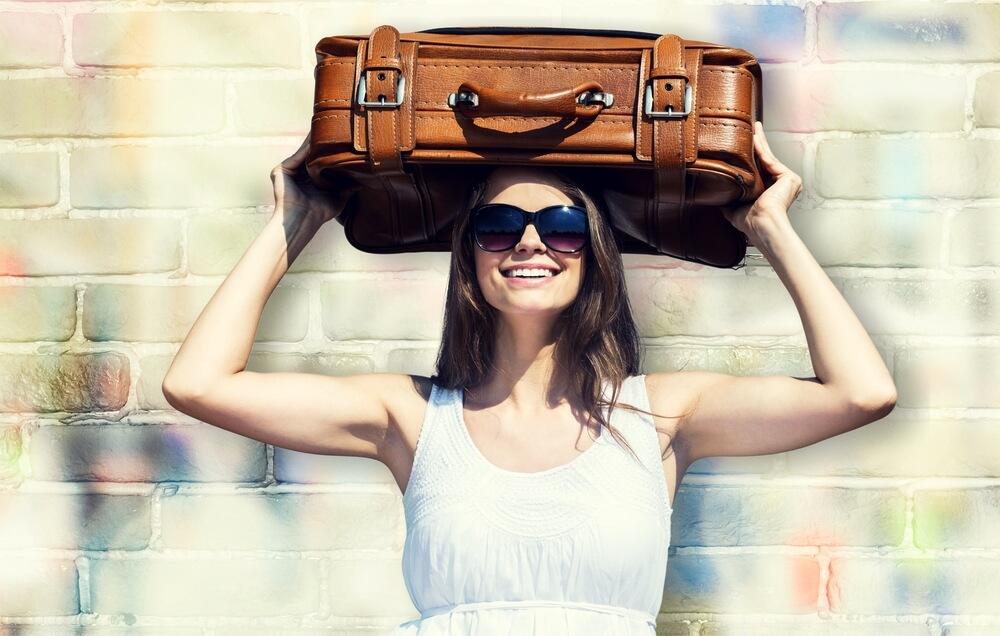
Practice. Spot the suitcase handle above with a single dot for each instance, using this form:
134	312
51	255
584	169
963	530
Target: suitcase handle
585	101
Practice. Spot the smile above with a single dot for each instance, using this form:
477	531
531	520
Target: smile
525	272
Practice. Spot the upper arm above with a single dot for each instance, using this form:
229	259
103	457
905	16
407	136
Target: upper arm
365	415
724	415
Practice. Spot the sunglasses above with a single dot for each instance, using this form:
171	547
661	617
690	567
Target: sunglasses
498	227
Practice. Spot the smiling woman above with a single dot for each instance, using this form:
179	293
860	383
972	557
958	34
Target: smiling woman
538	466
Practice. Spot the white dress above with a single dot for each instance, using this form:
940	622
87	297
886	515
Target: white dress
576	549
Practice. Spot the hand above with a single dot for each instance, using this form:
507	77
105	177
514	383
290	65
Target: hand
771	206
295	193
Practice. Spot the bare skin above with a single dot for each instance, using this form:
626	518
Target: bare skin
379	415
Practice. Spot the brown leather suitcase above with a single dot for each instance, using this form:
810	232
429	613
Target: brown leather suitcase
658	126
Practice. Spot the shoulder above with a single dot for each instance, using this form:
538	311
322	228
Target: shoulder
676	394
400	393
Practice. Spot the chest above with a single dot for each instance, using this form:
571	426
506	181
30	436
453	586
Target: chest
529	442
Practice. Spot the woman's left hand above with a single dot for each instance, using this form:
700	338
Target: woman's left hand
771	206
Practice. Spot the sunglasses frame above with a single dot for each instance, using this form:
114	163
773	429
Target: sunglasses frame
528	218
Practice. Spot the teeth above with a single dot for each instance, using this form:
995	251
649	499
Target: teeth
528	273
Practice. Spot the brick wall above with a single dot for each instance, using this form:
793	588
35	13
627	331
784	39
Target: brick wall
135	144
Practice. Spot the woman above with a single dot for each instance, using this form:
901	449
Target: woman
538	467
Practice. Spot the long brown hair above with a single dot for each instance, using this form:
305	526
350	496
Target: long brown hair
597	344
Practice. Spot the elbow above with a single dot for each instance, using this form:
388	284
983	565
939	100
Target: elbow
874	403
182	395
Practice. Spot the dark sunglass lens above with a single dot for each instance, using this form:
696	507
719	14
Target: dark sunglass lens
563	228
498	228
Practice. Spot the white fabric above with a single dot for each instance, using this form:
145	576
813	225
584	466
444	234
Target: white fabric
577	549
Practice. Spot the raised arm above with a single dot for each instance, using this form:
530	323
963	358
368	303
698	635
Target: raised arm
208	378
727	415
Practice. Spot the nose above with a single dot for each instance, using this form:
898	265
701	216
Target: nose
530	241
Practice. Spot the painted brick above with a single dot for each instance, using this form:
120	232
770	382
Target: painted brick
363	309
33	585
28	180
909	32
318	521
328	364
854	627
756	465
376	628
282	107
360	17
975	237
666	627
956	518
173	177
216	243
907	168
89	107
26	629
959	377
211	38
67	382
712	305
205	587
161	313
986	106
901	446
369	588
734	360
897	237
938	585
152	370
925	307
414	361
10	452
741	583
772	32
89	246
736	25
306	468
743	516
381	630
88	522
810	99
964	630
152	453
875	168
36	313
30	40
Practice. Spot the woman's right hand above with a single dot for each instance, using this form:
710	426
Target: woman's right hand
295	194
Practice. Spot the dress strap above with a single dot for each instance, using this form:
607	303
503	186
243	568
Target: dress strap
614	610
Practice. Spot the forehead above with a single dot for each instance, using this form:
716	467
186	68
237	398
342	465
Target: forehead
528	188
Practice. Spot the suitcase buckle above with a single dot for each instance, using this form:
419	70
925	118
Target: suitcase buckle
670	112
362	95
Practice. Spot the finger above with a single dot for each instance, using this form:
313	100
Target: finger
298	158
767	157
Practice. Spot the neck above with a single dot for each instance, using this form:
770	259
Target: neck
524	363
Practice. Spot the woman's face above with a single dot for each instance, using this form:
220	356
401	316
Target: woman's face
528	279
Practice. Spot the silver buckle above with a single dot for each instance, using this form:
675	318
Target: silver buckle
648	105
362	95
